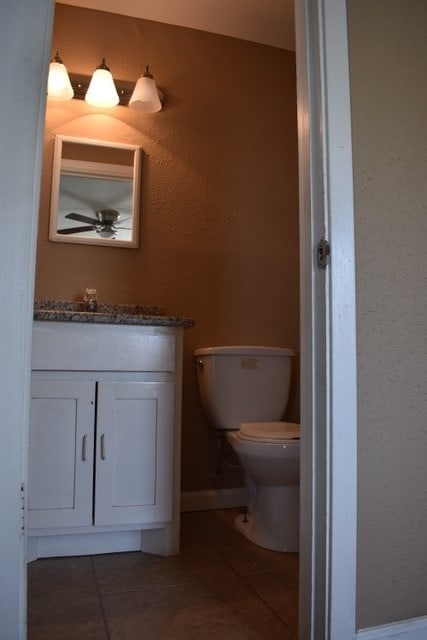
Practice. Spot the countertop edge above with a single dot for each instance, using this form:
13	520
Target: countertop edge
108	318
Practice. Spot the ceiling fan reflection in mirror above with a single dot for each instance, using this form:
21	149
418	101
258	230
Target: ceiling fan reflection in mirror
106	223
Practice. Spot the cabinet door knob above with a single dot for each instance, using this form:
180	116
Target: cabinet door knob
84	443
103	446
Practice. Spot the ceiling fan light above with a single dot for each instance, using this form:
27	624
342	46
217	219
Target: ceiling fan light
102	91
59	86
145	96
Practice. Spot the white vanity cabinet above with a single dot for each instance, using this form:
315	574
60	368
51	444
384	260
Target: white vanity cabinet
61	453
134	461
104	438
120	473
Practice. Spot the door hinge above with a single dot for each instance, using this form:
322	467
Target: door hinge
23	507
323	253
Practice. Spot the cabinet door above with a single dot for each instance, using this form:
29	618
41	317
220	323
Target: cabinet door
135	431
60	480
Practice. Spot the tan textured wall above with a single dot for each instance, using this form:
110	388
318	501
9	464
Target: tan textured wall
389	95
219	220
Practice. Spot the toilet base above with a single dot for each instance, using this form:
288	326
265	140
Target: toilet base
273	523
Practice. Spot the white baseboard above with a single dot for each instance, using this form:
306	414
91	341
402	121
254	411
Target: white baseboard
213	499
414	629
56	546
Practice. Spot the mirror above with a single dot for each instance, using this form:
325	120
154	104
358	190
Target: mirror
95	192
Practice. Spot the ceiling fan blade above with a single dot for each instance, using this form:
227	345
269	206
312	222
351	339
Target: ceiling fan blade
65	232
81	218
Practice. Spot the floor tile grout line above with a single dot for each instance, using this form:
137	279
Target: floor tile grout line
243	579
101	603
207	580
222	553
175	586
160	587
268	605
228	563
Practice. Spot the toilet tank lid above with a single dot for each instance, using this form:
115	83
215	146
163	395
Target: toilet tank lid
244	350
271	430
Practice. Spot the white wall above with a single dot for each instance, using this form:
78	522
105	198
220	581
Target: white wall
388	61
24	49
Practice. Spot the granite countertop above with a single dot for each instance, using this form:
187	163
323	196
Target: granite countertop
69	311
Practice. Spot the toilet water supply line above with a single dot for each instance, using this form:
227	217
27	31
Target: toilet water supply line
223	448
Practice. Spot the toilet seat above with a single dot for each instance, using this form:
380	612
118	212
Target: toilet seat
270	432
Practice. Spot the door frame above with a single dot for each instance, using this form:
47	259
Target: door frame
328	325
328	566
25	43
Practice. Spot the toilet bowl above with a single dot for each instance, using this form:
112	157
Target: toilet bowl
270	454
244	391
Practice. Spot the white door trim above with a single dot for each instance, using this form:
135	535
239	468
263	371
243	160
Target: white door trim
25	40
329	385
342	436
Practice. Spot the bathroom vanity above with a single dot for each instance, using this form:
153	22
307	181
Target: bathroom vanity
105	429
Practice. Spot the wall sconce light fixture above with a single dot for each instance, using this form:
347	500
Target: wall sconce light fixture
58	85
101	90
145	96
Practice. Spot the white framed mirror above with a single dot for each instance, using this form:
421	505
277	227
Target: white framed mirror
95	195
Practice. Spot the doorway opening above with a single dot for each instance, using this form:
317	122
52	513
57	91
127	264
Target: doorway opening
239	240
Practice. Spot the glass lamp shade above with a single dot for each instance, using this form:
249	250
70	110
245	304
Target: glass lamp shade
58	85
145	96
102	91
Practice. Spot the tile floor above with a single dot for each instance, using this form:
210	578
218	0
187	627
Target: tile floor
221	586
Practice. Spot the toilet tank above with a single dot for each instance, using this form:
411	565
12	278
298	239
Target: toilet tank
243	384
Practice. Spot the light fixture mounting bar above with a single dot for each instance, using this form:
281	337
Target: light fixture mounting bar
80	84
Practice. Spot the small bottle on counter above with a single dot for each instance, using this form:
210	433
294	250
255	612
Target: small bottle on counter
90	300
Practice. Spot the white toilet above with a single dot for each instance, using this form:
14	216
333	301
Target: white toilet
245	390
